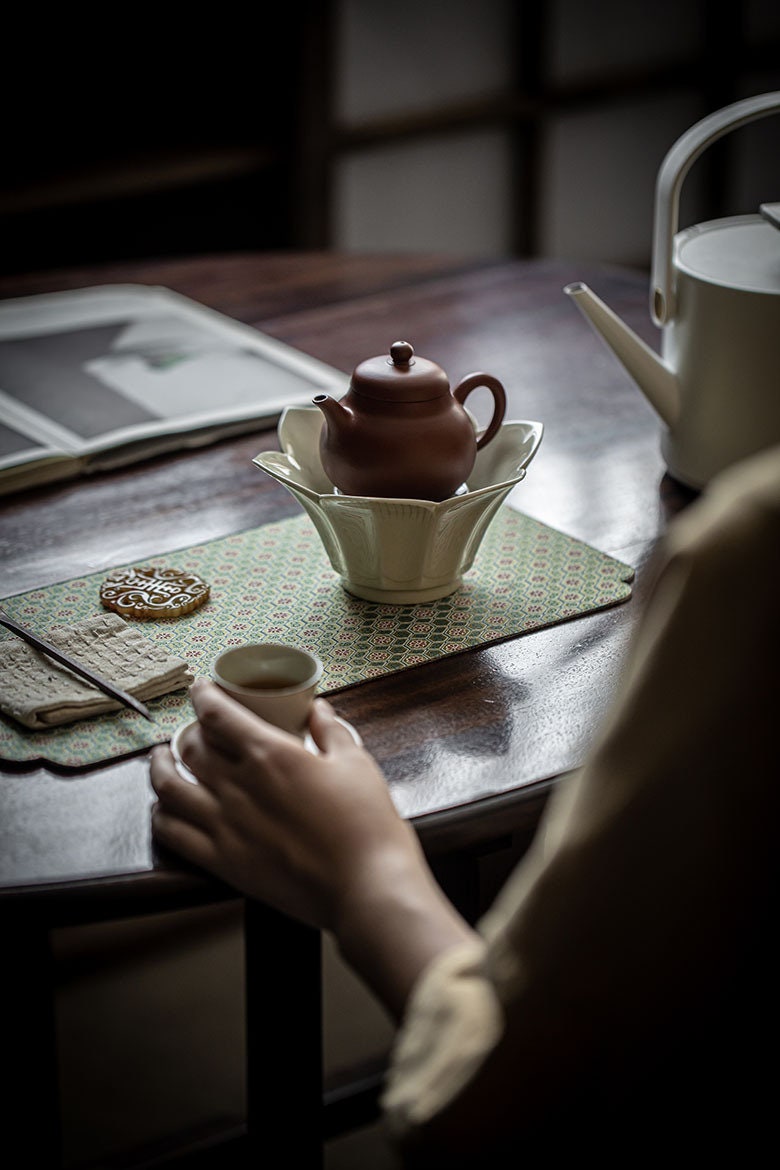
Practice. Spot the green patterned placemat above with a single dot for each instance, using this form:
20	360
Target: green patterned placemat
275	584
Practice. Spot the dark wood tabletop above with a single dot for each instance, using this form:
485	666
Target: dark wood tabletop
470	744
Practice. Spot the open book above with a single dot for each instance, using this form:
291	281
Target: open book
101	377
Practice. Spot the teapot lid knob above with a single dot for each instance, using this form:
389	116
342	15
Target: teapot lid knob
401	377
401	352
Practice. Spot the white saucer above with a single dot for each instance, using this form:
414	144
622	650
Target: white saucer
181	767
308	743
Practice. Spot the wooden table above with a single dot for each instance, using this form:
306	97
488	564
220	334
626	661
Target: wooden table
471	745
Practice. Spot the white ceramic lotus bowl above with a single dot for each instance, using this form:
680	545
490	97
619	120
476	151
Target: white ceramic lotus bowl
399	551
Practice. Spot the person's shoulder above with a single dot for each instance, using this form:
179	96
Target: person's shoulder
741	507
754	481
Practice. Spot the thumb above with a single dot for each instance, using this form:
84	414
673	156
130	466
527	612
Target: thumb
328	731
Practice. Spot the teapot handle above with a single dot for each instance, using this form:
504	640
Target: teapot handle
471	382
673	170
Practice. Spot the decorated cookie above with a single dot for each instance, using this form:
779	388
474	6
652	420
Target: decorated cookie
153	593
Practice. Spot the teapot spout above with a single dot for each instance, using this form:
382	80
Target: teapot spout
656	380
337	415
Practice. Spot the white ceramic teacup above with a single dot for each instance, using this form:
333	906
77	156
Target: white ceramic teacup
287	704
276	681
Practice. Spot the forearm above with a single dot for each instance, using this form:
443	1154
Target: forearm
394	921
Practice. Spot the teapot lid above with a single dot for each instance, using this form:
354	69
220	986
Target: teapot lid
401	377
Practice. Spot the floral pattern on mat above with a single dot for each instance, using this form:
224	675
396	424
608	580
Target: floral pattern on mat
275	583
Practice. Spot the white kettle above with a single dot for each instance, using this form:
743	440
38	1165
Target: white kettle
715	291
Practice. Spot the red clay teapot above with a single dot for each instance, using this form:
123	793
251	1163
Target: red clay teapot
400	432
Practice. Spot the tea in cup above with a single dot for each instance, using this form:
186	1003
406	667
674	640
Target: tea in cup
275	681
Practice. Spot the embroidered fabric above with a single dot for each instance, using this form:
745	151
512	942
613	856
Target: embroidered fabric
39	693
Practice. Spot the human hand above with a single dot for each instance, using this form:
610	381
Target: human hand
303	832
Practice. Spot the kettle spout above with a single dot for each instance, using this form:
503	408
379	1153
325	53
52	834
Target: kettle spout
652	375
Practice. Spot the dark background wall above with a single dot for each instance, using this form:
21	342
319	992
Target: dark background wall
490	127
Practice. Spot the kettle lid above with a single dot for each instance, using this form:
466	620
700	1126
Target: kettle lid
742	252
400	377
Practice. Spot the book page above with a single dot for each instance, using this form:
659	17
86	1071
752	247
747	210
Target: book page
114	367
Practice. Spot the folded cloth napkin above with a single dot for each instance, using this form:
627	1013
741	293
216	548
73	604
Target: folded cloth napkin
39	693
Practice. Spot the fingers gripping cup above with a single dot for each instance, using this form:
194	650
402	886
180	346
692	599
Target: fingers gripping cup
275	681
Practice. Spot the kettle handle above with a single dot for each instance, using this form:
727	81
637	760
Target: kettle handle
471	382
673	170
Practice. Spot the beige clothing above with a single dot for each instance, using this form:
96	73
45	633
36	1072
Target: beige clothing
624	990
